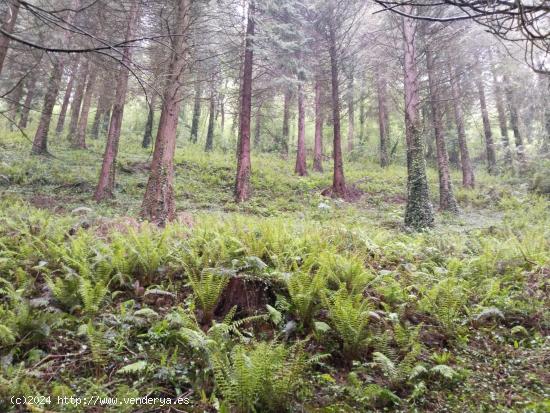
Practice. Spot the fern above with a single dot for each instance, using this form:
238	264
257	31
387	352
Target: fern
207	289
349	317
304	290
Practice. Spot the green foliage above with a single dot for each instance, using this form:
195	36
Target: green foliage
207	289
304	291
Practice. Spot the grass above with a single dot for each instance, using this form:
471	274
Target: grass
325	306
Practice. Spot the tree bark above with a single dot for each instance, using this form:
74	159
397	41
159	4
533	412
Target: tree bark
339	189
383	118
106	184
67	97
318	146
502	122
468	179
196	113
514	118
148	133
77	99
258	128
362	112
351	114
419	211
159	205
102	108
301	167
25	110
286	122
242	181
209	145
80	141
447	201
8	25
489	144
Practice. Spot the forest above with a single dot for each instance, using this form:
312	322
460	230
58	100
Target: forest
267	206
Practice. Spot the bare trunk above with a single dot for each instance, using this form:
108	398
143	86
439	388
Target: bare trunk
40	142
383	120
351	115
362	112
8	25
211	118
318	146
158	202
103	104
286	122
14	99
502	123
148	133
77	99
80	141
489	145
514	119
67	97
339	189
301	167
31	89
447	201
242	182
196	113
258	128
468	180
419	211
106	184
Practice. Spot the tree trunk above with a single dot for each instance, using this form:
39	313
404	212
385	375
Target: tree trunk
106	184
318	146
489	145
80	141
383	118
468	179
103	103
8	25
301	167
211	118
40	142
68	91
158	202
286	122
242	181
351	114
502	123
362	112
258	128
148	133
339	189
196	113
77	99
447	201
514	119
31	90
419	211
14	100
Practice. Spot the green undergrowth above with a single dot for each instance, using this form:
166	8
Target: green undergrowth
291	302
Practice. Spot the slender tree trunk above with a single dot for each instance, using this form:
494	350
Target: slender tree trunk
502	123
383	118
80	141
77	99
148	133
286	122
14	99
242	181
351	114
211	121
514	119
419	211
468	179
301	167
67	97
318	146
447	201
103	103
31	90
8	25
339	189
489	144
159	205
40	143
258	128
196	113
363	112
106	184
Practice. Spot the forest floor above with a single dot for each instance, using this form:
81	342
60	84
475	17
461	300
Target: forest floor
288	302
